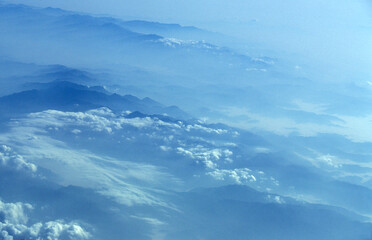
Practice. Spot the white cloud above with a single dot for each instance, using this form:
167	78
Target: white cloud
263	60
174	42
209	157
321	160
309	107
125	180
205	129
329	160
129	183
165	148
262	150
14	219
60	230
100	120
152	221
256	69
276	199
244	176
76	131
9	159
278	125
14	212
354	128
97	122
238	176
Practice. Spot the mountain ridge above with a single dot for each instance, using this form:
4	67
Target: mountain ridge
68	96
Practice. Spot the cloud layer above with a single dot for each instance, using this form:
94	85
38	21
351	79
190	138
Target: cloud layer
9	159
14	219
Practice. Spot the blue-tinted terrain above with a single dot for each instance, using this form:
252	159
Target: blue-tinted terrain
124	129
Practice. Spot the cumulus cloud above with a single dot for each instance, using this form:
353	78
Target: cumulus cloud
100	120
209	157
245	176
97	120
9	159
238	176
14	219
14	212
128	182
105	121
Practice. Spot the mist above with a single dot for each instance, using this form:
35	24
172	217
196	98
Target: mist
185	120
338	30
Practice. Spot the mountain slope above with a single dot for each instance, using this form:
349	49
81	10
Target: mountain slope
67	96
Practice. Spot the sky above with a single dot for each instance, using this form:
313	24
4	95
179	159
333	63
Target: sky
334	34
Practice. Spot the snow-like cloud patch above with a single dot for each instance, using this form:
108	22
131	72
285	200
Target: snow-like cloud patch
99	120
329	160
244	176
12	160
205	129
14	219
127	182
275	199
262	150
174	42
238	176
209	157
324	160
165	148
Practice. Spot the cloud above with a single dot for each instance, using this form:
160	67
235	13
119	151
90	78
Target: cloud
262	150
9	159
256	69
128	183
329	160
99	120
14	219
238	176
354	128
206	129
309	107
76	131
174	43
245	176
209	157
276	199
47	139
152	221
322	160
14	212
165	148
104	120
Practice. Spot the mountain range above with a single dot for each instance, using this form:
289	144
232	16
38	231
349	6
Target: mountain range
117	129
